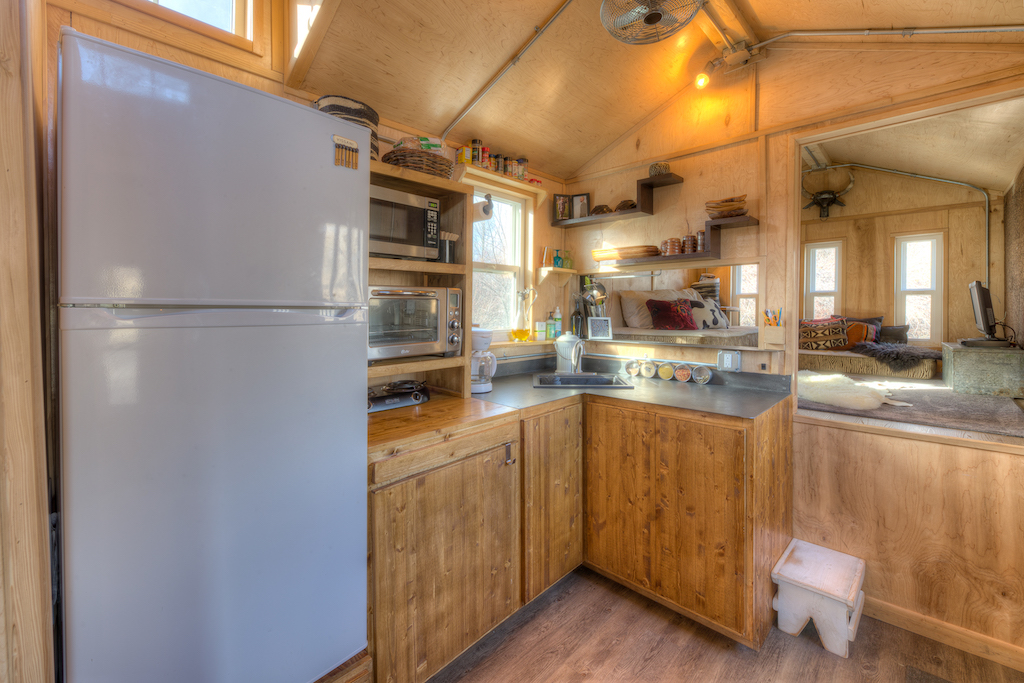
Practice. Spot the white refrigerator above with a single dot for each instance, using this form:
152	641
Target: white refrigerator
213	265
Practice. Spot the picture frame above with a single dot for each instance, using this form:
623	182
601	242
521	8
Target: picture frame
599	328
563	207
581	205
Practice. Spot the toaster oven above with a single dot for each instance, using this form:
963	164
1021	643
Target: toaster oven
414	321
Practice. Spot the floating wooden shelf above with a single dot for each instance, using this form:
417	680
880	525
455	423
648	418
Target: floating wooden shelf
644	203
563	274
416	266
712	246
389	368
381	173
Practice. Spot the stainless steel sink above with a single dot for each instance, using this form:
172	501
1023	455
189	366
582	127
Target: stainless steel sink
579	379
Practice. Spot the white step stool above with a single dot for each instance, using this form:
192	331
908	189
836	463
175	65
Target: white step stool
820	584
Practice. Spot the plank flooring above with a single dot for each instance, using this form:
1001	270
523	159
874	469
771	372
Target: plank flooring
587	628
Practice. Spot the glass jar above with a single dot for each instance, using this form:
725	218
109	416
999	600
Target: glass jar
477	145
567	261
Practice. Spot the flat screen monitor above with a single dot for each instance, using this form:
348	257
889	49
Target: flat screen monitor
984	316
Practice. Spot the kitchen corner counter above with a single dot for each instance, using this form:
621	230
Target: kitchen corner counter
517	391
440	416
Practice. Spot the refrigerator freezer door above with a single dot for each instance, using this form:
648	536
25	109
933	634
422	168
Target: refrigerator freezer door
214	495
178	187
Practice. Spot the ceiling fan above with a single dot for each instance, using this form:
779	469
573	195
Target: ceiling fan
641	22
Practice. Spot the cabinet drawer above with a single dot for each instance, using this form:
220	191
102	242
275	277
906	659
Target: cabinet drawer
407	463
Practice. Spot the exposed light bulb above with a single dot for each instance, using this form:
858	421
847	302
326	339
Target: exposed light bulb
702	81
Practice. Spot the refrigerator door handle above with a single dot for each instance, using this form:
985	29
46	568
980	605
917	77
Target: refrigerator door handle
139	317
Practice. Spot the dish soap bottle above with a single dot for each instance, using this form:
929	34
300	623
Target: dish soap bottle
551	326
558	322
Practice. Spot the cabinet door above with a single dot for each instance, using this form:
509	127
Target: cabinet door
618	502
699	527
552	498
445	562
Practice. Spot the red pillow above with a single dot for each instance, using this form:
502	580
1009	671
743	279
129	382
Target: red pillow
671	315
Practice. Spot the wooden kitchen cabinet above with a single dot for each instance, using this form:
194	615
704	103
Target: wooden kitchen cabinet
690	509
445	543
552	468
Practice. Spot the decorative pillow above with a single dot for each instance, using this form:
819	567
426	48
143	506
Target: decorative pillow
634	304
857	332
895	334
876	321
822	335
708	315
671	315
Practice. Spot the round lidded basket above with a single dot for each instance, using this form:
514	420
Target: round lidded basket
355	111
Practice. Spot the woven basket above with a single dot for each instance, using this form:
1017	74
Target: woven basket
355	111
615	254
418	160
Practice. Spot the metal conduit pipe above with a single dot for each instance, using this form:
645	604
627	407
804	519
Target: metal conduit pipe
905	32
988	256
512	62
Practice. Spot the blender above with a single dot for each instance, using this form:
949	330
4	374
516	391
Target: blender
483	363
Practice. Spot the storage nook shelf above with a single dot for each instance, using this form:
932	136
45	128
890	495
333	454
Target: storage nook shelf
712	247
644	203
456	202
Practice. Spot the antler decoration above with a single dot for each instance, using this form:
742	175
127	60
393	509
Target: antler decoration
826	198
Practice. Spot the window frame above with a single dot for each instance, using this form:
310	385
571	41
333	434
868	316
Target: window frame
251	20
809	249
937	291
521	271
737	295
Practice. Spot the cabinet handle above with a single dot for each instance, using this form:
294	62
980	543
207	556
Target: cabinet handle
509	460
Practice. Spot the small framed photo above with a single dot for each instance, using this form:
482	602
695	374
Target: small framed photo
581	205
563	207
599	328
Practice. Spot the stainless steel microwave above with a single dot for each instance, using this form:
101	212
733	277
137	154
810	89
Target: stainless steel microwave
414	321
403	225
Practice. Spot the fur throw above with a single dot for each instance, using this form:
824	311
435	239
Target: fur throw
840	390
896	356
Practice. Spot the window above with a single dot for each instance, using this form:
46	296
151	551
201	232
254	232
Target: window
744	293
918	262
498	247
233	16
822	279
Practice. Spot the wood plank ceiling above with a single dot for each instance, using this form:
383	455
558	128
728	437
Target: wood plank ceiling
578	89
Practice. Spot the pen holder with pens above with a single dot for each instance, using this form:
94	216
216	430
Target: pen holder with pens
774	332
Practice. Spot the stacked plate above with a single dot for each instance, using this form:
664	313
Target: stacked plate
726	208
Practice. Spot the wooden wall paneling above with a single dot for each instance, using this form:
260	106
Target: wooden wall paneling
938	524
26	643
699	539
690	118
770	496
446	562
552	468
965	251
618	476
781	234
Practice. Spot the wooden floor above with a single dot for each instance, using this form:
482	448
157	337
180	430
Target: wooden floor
587	628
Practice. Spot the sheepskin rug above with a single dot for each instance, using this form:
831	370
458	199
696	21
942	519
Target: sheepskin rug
840	390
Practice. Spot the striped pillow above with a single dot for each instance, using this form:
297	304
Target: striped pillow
823	335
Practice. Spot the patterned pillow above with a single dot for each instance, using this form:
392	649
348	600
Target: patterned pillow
822	335
708	315
857	332
671	315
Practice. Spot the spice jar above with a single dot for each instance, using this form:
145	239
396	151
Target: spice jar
477	144
521	165
485	157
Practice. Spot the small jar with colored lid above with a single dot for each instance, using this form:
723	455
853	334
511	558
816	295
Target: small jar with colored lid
521	166
477	145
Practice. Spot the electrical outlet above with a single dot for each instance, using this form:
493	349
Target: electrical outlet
729	361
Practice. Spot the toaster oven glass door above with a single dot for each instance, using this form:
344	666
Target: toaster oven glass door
404	321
